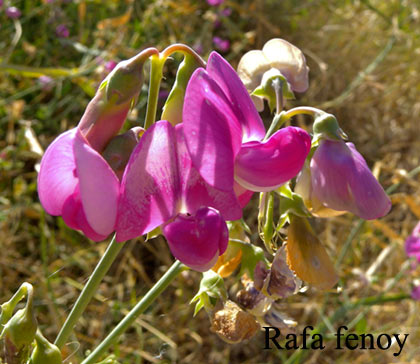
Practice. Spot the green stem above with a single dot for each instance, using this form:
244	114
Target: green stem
136	311
156	74
88	291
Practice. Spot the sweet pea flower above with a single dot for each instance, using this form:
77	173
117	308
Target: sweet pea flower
225	134
341	180
161	187
75	181
412	243
276	54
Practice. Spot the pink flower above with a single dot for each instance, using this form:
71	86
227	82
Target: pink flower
160	187
62	31
215	2
222	45
224	134
110	65
415	293
13	12
342	181
75	181
412	244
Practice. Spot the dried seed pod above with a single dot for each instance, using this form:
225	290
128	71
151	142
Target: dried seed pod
232	324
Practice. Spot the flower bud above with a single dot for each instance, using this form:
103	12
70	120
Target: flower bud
232	324
19	331
412	244
45	352
107	111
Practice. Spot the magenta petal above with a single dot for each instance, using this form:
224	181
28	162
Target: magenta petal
212	131
342	181
264	166
243	107
57	178
74	216
412	243
197	193
197	241
150	190
99	187
243	195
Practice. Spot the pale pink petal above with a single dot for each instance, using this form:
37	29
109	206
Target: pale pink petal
99	187
264	166
150	188
74	216
197	193
241	103
57	178
212	131
342	181
197	240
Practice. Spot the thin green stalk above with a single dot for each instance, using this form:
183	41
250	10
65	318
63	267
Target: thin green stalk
88	291
156	68
135	312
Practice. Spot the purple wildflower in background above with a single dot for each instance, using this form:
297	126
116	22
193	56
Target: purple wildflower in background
222	45
226	12
415	293
46	83
13	12
1	3
215	2
412	244
62	31
110	65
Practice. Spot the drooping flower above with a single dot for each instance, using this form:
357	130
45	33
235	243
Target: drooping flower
276	54
342	181
75	181
225	134
161	187
412	244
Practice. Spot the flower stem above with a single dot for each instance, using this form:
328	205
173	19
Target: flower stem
88	291
156	74
136	311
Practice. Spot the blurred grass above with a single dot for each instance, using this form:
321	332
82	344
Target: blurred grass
364	69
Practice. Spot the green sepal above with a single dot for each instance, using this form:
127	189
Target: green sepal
267	88
212	288
251	255
326	126
172	110
154	233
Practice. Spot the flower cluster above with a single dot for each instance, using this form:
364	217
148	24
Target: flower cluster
187	175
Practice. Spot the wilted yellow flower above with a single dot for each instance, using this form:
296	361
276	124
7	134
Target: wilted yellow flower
307	257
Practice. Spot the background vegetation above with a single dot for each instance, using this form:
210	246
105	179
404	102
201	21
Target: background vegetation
364	65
